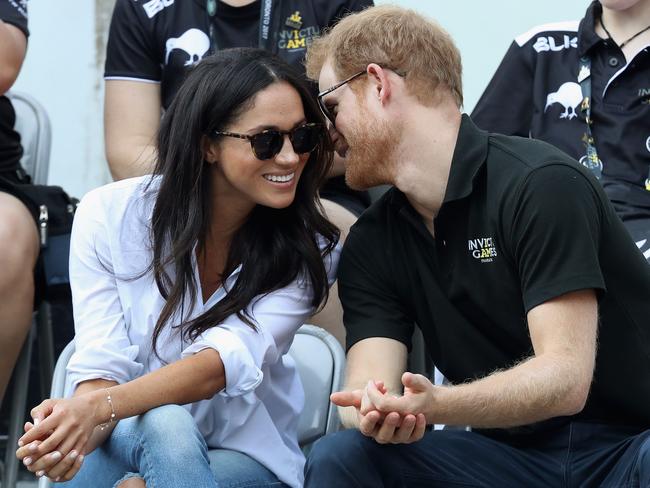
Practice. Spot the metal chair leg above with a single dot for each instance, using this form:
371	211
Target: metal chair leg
45	348
18	404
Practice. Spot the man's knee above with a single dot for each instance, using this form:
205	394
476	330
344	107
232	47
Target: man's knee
19	240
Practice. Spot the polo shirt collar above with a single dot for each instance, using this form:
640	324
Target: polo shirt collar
469	155
587	37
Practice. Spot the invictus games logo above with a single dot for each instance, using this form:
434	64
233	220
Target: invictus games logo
483	248
296	37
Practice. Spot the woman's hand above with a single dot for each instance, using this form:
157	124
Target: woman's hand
64	470
56	441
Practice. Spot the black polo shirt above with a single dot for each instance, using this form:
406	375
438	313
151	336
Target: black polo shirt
13	12
535	92
521	223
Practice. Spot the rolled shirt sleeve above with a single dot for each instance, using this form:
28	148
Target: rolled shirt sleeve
277	316
103	348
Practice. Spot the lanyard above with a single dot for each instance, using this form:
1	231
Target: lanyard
264	35
591	159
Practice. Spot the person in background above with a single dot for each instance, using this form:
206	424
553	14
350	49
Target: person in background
151	45
188	287
557	77
531	296
18	231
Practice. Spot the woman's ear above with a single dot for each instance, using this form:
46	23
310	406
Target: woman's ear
210	149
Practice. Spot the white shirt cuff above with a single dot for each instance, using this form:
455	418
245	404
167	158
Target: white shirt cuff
242	374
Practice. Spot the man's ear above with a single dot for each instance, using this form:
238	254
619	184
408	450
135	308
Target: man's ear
380	81
210	150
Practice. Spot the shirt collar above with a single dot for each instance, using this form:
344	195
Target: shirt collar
469	156
587	37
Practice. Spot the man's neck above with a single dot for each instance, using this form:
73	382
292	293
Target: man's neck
237	3
425	155
623	24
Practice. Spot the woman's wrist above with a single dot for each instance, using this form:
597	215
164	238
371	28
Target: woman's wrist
103	412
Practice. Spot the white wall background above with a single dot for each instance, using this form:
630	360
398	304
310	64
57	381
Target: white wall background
64	65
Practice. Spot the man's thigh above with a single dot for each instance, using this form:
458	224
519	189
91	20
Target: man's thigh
444	458
609	456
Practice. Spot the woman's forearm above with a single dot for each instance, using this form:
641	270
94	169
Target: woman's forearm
187	380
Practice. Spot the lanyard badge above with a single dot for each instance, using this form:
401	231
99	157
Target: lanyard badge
590	160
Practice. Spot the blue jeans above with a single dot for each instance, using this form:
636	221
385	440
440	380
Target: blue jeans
165	448
574	455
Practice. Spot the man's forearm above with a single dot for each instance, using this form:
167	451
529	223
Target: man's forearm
349	417
536	389
138	162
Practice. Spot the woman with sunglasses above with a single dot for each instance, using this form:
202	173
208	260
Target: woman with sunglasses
188	288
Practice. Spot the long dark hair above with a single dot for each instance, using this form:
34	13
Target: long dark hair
273	246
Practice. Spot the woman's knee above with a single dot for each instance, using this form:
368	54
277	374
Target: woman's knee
172	425
19	239
132	481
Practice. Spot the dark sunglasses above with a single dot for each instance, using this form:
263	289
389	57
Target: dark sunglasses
268	143
323	106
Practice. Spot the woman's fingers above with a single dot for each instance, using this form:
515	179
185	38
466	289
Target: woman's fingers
28	453
63	466
73	470
41	411
44	463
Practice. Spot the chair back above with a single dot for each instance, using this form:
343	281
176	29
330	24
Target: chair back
320	361
33	125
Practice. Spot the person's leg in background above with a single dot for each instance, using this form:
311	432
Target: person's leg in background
19	246
330	317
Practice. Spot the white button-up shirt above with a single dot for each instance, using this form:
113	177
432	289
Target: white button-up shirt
115	314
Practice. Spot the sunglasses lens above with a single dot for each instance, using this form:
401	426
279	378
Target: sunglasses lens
267	144
305	138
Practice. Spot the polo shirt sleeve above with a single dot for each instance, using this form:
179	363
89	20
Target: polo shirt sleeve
371	305
506	106
15	13
555	227
130	51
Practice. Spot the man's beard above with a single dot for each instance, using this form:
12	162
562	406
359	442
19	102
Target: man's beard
370	157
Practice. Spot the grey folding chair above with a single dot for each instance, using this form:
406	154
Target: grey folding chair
33	125
320	361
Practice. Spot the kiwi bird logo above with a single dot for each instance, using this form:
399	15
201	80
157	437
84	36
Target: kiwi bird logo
194	42
569	95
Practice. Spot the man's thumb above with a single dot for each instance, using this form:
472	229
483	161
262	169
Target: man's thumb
414	381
